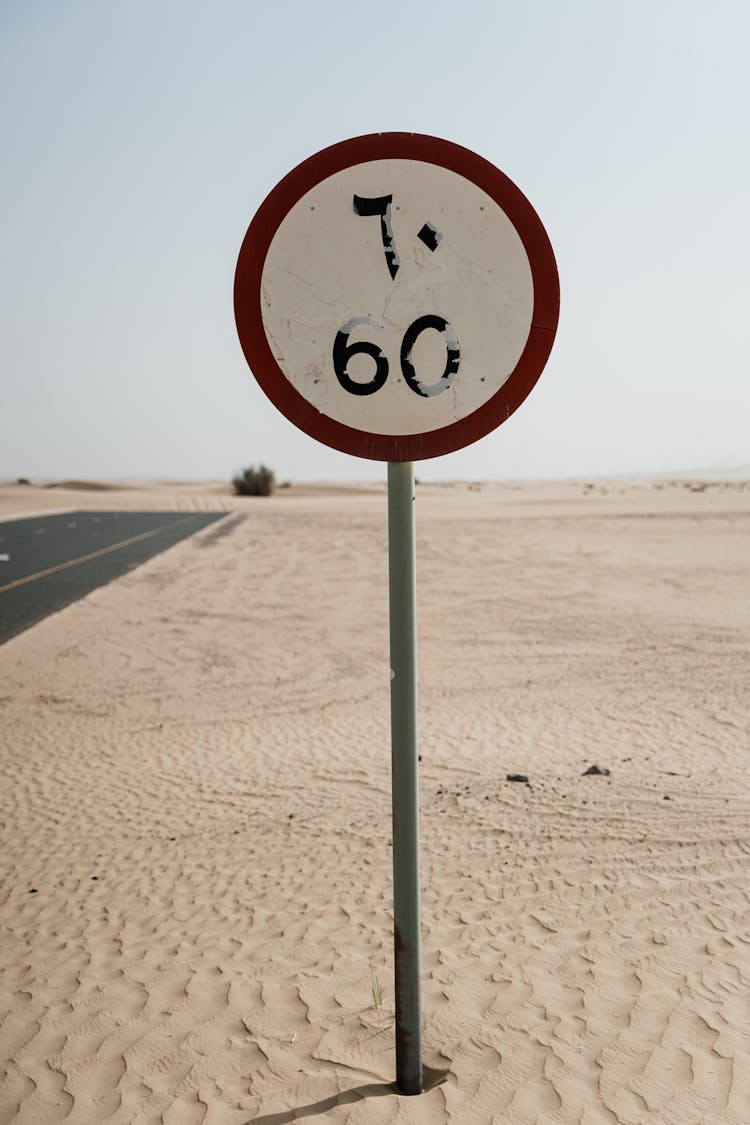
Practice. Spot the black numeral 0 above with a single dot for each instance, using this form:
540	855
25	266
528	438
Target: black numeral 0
343	351
453	355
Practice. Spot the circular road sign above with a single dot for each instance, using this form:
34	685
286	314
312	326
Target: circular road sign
396	296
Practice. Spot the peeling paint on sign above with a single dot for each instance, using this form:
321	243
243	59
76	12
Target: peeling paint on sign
326	293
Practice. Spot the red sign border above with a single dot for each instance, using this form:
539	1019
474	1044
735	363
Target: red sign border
248	310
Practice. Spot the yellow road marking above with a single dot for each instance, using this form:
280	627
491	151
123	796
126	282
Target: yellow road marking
93	555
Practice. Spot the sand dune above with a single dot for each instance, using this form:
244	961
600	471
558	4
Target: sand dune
195	904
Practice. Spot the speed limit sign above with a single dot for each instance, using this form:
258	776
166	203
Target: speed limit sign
396	296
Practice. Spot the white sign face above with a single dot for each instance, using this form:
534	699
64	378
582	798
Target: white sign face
368	255
396	296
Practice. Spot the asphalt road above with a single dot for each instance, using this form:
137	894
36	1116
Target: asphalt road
50	561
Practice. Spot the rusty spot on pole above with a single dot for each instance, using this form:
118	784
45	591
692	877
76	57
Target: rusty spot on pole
408	1019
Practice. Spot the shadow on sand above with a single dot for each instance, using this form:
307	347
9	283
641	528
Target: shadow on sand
431	1078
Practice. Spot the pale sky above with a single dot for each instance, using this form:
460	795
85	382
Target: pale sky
140	136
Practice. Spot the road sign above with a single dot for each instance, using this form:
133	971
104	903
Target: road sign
396	296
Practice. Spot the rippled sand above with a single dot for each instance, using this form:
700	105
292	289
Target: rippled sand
195	905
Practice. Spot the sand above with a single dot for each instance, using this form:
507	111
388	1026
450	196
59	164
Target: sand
195	909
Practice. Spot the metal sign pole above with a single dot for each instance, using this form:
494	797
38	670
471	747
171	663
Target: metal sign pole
404	775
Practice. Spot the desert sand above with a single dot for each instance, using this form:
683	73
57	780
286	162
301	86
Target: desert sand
195	908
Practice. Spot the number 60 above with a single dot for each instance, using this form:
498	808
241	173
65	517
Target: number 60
343	352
